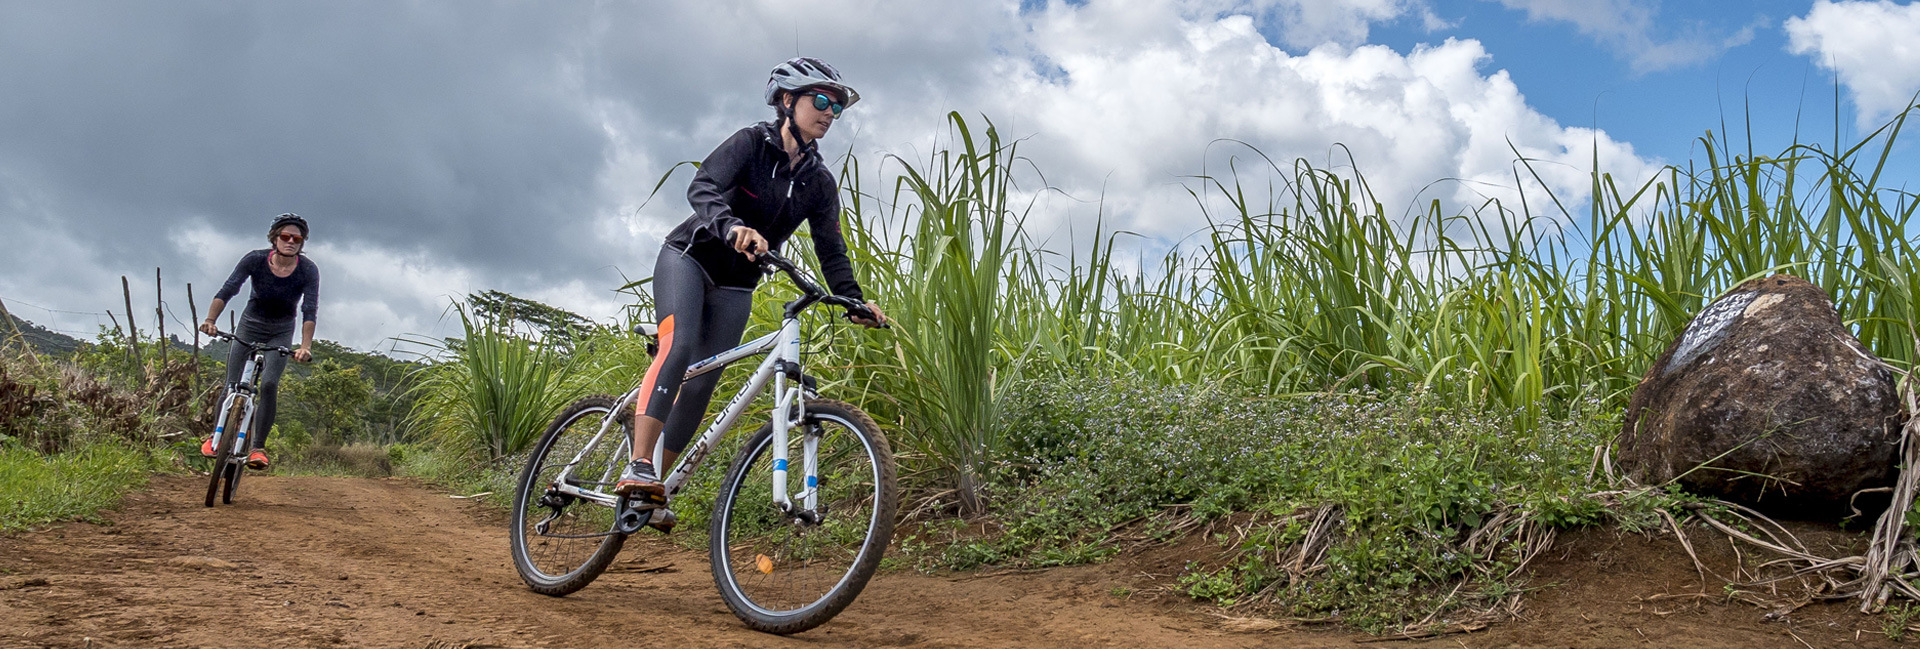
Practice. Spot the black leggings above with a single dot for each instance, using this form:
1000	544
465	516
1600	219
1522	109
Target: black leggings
259	331
698	320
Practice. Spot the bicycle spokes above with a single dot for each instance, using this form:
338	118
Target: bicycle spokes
786	558
562	530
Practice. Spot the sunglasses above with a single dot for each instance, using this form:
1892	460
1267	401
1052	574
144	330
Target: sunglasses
293	239
823	102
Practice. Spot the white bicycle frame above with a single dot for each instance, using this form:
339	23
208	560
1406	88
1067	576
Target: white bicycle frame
783	358
236	392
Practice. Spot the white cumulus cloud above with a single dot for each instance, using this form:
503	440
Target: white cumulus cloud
1870	45
1125	99
524	158
1628	27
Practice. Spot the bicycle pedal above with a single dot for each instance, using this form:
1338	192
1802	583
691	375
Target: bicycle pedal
634	514
663	520
631	520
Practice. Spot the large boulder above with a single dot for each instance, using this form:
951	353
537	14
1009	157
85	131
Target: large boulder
1785	409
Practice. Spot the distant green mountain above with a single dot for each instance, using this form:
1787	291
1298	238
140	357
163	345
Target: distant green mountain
43	340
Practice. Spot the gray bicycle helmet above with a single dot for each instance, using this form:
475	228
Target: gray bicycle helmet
807	72
288	219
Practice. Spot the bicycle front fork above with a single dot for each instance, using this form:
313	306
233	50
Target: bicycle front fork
245	422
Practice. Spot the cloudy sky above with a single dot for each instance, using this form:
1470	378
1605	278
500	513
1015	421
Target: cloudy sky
442	147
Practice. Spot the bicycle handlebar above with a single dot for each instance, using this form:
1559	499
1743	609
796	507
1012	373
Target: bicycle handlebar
222	335
771	262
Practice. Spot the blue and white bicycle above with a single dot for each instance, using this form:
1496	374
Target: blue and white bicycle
792	543
233	434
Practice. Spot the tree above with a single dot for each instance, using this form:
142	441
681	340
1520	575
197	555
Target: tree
549	321
330	401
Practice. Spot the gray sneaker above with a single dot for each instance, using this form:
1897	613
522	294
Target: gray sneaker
639	478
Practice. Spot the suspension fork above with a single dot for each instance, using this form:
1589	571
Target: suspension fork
250	379
246	427
789	408
226	408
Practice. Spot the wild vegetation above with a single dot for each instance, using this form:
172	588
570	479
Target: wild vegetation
72	439
1376	416
1389	410
83	421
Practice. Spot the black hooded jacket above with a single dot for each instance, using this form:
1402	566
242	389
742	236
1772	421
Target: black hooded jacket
746	181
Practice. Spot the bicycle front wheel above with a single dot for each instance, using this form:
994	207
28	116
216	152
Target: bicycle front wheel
562	542
789	571
223	451
233	481
235	467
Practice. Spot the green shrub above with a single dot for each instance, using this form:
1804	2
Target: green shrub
1408	476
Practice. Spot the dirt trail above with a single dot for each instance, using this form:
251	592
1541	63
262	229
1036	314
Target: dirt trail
342	562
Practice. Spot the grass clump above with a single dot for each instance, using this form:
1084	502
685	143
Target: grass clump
1899	620
1381	492
497	390
348	460
74	440
77	483
457	470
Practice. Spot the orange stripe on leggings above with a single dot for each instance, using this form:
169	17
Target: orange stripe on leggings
653	371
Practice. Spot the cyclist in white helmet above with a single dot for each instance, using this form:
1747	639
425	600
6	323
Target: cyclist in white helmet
749	196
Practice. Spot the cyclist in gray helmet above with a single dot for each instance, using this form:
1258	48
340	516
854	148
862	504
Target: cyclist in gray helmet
283	280
749	196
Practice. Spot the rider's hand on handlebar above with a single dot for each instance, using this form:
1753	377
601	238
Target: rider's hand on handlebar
879	318
208	328
747	241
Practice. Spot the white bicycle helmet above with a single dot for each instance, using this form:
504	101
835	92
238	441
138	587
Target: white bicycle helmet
807	72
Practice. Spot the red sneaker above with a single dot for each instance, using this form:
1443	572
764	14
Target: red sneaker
257	460
206	447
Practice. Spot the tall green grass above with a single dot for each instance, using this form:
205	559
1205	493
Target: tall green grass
496	391
1313	286
1298	282
79	483
949	282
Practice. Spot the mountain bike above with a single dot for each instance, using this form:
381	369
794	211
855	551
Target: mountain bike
789	549
232	431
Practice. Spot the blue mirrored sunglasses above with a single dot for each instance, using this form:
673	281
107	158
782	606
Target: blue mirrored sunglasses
822	102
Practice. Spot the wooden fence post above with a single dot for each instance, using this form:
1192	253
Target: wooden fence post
133	330
160	315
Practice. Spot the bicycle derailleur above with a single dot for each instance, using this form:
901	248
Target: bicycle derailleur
555	501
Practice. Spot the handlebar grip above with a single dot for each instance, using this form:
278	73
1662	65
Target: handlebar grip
752	246
860	310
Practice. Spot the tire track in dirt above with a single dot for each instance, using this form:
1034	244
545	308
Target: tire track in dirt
348	562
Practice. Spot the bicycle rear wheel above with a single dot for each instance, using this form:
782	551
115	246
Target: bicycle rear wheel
562	542
786	572
222	451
